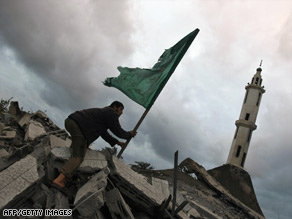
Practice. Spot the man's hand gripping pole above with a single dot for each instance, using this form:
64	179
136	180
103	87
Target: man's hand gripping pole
135	131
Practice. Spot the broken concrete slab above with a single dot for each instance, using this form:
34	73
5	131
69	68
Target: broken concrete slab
41	153
201	210
93	160
134	185
179	198
161	186
5	118
34	129
90	197
61	153
192	167
8	134
193	213
57	158
25	119
117	205
238	182
59	142
14	109
17	178
45	120
22	151
61	202
7	161
39	198
3	153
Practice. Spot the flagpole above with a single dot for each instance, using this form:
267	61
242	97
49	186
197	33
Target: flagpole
135	129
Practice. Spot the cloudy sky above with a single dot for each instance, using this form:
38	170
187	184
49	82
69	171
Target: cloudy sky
54	56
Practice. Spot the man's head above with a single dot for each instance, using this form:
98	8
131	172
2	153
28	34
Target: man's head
118	107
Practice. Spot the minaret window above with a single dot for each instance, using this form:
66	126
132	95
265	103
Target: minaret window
247	116
257	80
259	99
238	151
243	159
246	94
261	81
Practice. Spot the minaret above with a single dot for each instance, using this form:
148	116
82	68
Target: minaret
245	125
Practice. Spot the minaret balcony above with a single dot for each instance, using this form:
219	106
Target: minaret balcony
255	87
246	124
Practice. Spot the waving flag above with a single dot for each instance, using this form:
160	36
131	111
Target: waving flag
144	85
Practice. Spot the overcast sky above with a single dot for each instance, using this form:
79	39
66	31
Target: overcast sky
54	56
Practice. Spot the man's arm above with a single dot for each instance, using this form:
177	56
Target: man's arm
110	139
115	127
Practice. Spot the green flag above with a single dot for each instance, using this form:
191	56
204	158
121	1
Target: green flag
144	85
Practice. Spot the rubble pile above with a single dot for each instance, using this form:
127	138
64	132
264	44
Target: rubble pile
33	150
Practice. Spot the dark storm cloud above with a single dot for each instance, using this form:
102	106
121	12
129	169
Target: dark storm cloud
73	45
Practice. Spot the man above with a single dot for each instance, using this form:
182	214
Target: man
85	127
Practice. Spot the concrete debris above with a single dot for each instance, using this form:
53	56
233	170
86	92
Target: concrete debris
91	195
34	129
24	120
59	142
33	150
7	134
3	153
135	185
117	205
17	178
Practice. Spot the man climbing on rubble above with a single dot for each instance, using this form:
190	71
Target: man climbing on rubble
86	126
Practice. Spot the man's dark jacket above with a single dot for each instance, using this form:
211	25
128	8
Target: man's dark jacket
94	122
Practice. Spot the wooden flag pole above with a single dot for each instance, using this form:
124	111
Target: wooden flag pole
175	169
135	129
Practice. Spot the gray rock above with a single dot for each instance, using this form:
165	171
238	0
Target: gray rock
17	178
5	117
3	153
41	153
8	134
61	202
59	142
135	185
90	196
61	153
93	160
39	198
161	186
34	129
25	119
117	205
14	108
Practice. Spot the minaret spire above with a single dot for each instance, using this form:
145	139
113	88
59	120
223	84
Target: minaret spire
245	125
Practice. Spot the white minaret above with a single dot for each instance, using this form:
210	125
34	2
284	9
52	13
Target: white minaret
245	125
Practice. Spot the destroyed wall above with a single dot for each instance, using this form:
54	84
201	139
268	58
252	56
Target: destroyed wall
33	149
238	182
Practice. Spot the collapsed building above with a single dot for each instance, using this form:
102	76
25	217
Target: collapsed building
33	149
